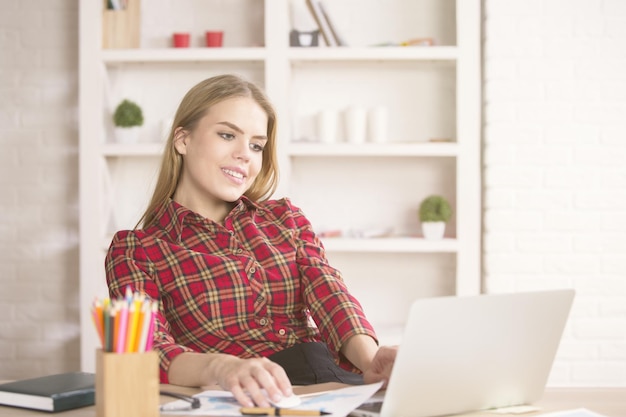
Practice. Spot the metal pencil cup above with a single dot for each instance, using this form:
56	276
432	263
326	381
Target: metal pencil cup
127	384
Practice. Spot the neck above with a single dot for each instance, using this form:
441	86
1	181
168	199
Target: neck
212	209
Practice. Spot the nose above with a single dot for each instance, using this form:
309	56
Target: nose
242	150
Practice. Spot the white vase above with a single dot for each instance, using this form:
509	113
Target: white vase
127	134
433	230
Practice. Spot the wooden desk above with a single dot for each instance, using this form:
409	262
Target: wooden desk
610	402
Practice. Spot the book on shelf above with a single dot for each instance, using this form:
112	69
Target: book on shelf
52	393
327	28
339	41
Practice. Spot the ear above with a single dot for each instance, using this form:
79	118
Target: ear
180	140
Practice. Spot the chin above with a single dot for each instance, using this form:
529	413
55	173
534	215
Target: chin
231	194
231	197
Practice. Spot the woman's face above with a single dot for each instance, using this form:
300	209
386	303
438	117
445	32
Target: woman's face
222	155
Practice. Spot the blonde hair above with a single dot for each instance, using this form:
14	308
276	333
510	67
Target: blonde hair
194	107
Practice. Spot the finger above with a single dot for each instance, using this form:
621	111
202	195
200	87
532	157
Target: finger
280	379
241	396
370	377
253	388
265	374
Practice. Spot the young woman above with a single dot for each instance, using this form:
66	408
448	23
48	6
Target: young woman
247	298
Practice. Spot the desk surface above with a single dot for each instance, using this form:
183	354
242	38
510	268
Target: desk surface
610	402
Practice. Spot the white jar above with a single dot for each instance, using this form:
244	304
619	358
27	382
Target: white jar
327	126
355	119
378	121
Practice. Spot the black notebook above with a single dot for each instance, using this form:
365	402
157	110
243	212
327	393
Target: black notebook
50	393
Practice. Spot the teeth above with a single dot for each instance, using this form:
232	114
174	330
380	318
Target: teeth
234	174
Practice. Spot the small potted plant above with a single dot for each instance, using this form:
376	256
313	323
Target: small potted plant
434	213
127	119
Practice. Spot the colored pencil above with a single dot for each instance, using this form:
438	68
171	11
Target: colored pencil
133	318
111	319
96	315
146	313
153	314
120	347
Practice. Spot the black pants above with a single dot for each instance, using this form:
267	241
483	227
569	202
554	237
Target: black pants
312	363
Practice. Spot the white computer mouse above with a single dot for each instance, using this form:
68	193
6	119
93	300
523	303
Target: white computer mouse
287	402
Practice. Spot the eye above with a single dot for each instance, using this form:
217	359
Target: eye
226	136
257	147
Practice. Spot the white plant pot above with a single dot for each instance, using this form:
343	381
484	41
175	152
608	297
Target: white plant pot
433	230
127	134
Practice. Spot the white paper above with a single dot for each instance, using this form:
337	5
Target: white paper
339	402
515	409
578	412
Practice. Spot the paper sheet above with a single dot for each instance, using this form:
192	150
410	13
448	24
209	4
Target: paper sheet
516	409
339	402
578	412
522	409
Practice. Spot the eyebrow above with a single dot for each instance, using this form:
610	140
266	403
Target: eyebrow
235	127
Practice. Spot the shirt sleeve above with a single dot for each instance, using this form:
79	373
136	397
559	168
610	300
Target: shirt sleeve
127	265
336	312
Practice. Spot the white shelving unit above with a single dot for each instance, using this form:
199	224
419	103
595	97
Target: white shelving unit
373	150
390	245
430	92
124	56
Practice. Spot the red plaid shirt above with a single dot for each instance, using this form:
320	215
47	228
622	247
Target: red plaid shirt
248	288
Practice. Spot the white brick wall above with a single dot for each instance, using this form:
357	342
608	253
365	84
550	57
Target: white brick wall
555	171
39	182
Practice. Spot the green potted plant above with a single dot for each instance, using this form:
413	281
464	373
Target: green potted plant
127	119
434	213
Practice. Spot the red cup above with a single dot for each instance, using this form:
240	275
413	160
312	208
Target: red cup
214	38
181	40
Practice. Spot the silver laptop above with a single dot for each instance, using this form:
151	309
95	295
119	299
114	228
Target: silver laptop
462	354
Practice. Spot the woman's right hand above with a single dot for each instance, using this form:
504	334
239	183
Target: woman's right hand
247	379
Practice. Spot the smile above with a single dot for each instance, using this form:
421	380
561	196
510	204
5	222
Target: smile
232	173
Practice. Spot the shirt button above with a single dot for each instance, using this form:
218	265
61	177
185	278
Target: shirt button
252	270
239	251
263	321
282	332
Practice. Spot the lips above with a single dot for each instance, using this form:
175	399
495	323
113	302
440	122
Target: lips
235	174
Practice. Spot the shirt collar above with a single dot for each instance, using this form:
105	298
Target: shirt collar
245	203
172	216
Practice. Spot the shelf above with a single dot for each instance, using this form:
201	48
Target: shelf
113	56
431	53
137	149
387	245
396	244
373	149
386	53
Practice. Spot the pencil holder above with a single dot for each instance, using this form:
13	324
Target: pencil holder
127	384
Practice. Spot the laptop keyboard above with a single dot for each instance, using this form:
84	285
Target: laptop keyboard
374	406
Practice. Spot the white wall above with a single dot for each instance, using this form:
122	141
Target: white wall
39	185
555	171
555	180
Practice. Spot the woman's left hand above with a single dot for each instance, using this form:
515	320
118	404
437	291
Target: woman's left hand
380	368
